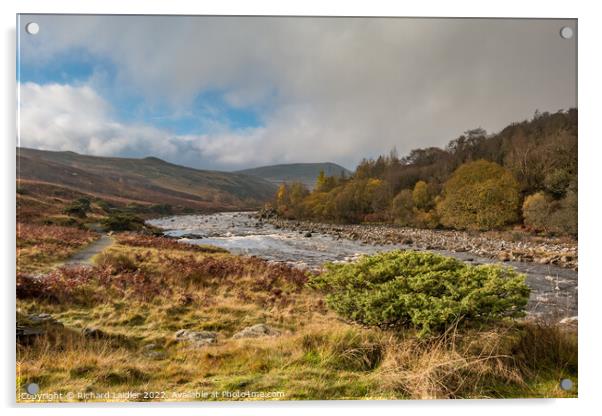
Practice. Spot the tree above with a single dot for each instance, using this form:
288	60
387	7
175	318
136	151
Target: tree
479	195
282	198
320	181
563	219
402	208
535	211
325	183
298	191
557	181
552	216
421	197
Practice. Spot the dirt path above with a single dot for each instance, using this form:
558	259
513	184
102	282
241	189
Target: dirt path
85	255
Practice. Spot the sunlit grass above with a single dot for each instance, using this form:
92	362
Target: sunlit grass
316	355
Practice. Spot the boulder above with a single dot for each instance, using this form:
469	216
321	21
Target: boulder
26	335
43	318
255	331
196	338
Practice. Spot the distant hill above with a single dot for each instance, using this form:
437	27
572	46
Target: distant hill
145	181
301	172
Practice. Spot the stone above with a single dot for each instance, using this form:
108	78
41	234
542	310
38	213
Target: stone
43	318
255	331
570	320
192	236
196	338
26	335
307	234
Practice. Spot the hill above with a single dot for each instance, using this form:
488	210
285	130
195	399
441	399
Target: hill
141	181
525	175
296	172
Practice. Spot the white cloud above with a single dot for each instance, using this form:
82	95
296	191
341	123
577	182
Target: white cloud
76	118
326	89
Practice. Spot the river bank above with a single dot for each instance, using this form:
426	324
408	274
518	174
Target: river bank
503	246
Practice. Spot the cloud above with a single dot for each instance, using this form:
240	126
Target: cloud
324	88
76	118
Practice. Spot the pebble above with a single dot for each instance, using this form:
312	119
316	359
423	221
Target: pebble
542	250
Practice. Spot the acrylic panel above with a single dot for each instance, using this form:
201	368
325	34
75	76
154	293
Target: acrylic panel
218	208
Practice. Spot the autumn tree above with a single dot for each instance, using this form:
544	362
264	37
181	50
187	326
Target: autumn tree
535	211
282	198
402	208
479	195
421	197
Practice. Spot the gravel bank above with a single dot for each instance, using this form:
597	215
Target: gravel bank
505	246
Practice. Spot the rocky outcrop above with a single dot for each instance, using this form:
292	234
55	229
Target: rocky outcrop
35	325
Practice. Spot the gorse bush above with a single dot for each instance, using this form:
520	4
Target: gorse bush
421	290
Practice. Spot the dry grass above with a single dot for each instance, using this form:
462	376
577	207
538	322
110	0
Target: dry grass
141	294
41	246
492	363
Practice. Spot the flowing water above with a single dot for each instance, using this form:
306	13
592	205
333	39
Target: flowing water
553	288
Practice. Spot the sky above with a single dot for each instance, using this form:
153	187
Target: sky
230	93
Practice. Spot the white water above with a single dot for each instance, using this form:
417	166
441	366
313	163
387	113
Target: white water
554	289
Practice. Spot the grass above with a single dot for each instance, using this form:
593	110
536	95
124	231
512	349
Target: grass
39	247
143	289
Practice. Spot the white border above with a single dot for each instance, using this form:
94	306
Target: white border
590	156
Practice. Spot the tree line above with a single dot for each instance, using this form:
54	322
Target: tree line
524	175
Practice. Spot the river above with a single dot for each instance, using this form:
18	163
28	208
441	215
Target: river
553	288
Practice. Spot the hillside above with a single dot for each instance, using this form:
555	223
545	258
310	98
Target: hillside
143	181
523	176
296	172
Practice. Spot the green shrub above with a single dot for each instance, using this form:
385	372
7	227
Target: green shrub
104	205
563	216
552	216
536	209
479	195
121	221
421	290
78	208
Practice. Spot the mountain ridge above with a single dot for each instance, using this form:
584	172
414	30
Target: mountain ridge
300	172
150	179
